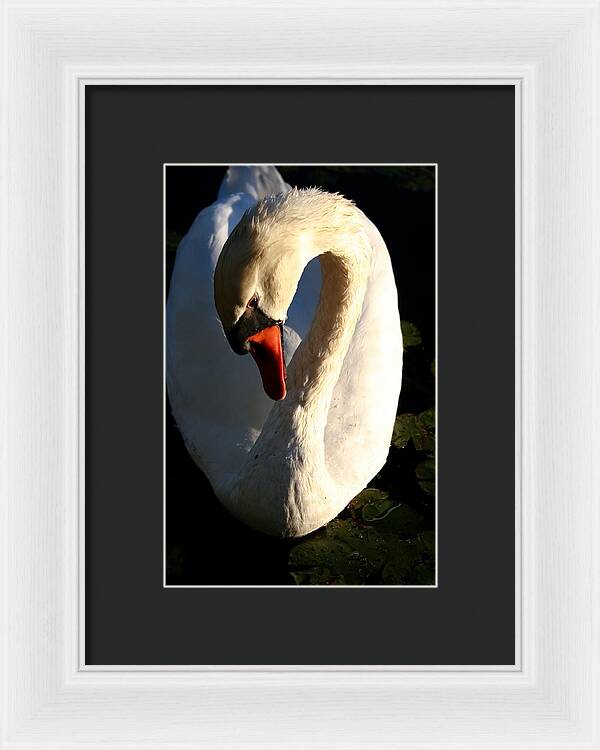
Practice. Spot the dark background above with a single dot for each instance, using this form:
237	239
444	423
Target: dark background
204	543
130	133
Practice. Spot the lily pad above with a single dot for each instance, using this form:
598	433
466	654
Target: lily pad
423	575
427	419
344	554
404	427
411	562
387	548
401	521
411	336
425	473
426	542
400	563
370	496
416	427
372	503
313	577
376	511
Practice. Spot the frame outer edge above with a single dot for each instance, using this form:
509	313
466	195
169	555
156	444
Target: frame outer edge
45	702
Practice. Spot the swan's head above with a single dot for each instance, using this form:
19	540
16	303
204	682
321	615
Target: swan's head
256	277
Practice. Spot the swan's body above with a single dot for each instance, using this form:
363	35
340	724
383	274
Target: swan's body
290	466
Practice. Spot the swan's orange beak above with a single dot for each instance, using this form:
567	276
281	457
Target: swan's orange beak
266	347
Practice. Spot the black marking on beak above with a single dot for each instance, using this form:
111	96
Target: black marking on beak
252	321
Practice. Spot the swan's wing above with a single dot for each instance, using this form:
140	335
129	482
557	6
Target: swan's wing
365	399
254	181
216	396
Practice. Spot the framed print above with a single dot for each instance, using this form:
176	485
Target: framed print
439	164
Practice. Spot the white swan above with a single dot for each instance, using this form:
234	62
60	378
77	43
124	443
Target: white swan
285	467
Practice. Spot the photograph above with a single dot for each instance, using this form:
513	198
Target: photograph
312	462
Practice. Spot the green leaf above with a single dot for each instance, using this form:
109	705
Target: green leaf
425	473
370	495
424	438
376	510
427	419
401	562
418	428
402	521
411	336
313	577
426	542
372	504
368	550
389	550
345	552
423	575
404	427
380	542
318	552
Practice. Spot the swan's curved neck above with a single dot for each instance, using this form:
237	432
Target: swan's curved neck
296	425
289	454
316	365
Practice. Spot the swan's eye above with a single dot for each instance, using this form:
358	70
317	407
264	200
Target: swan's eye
252	302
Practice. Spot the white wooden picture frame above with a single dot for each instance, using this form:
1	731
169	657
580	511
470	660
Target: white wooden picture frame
549	50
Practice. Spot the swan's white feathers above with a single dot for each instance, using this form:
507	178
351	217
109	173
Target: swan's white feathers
253	181
298	480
